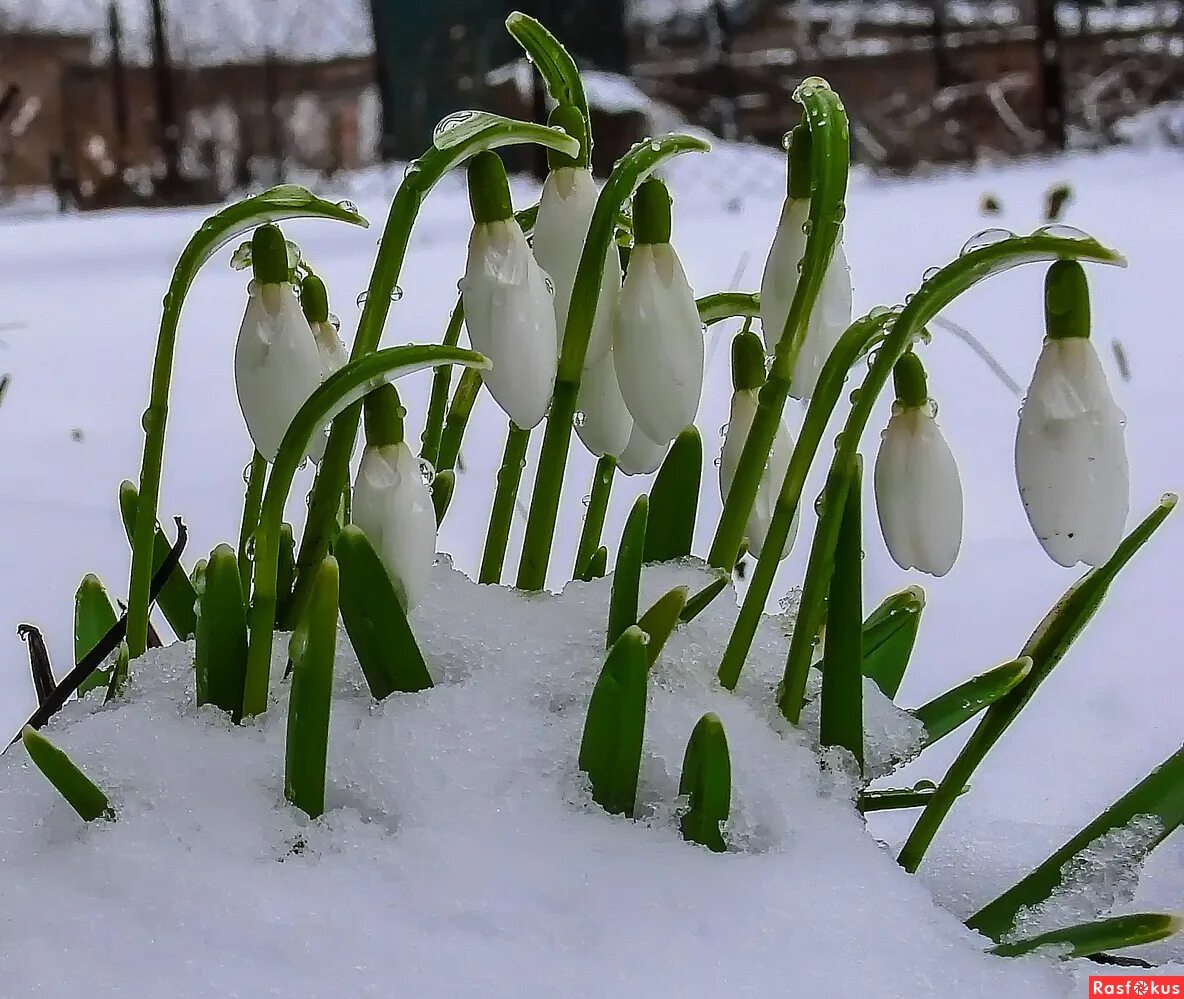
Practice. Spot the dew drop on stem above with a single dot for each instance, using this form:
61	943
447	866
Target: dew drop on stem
1062	231
988	237
348	206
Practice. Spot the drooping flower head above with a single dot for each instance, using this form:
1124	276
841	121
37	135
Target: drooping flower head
1070	447
918	490
508	308
657	336
276	362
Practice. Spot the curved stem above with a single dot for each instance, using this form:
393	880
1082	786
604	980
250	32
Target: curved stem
501	517
459	411
632	169
602	484
456	139
251	503
728	305
441	379
933	296
830	155
349	383
279	203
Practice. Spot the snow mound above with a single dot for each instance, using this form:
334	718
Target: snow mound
461	854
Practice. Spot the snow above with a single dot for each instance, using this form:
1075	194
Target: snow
458	836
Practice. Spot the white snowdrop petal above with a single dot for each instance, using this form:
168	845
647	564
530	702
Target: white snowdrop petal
918	493
392	504
642	455
1070	455
658	343
828	322
780	278
276	364
511	320
565	211
602	421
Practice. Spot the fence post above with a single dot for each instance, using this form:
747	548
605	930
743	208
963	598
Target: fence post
118	89
1052	76
169	135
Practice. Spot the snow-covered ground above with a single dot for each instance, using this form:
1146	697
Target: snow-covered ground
80	306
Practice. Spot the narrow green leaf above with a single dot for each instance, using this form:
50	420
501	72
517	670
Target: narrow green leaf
501	516
707	781
220	648
674	500
594	512
555	66
841	722
119	671
1046	647
443	486
84	797
457	422
597	565
177	598
956	706
94	616
312	651
285	577
622	606
889	634
660	621
699	602
441	379
891	798
1086	939
375	622
1160	796
610	750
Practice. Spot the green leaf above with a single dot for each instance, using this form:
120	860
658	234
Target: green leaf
597	565
610	750
707	781
457	422
84	797
594	512
177	599
375	621
1159	796
700	601
220	648
555	66
674	500
463	127
889	634
956	706
312	651
94	616
891	798
660	621
841	721
119	671
285	577
1046	647
1086	939
501	516
622	605
443	486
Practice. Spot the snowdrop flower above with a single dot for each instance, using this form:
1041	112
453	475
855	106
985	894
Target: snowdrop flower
508	307
392	502
314	301
642	455
1070	451
657	336
748	374
918	491
832	309
565	211
276	362
602	420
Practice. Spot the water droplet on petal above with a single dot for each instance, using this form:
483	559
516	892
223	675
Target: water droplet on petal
240	259
335	322
293	254
427	471
550	285
988	237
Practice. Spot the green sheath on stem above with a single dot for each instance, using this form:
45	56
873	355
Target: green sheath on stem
501	517
84	797
841	722
312	651
285	573
94	616
597	507
674	500
707	781
1046	648
622	607
177	598
220	649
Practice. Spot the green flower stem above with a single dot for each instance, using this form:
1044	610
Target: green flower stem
351	382
441	379
456	139
823	114
933	296
728	305
501	517
826	396
641	161
279	203
1046	647
602	484
251	503
459	411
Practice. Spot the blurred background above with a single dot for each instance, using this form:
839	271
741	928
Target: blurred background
189	101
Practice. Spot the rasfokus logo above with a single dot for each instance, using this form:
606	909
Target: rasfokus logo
1136	985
